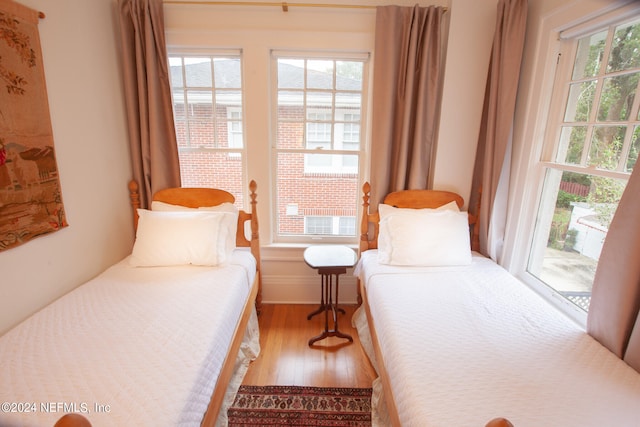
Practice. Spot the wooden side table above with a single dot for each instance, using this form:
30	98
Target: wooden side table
330	261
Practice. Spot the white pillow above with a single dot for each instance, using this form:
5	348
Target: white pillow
230	222
424	237
386	210
179	238
408	214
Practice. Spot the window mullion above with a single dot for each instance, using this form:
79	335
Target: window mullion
628	136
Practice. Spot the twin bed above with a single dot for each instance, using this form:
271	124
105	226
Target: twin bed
458	341
161	338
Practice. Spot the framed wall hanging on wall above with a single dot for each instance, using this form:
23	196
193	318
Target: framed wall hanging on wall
30	193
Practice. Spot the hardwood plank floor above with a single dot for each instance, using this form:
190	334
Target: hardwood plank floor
286	358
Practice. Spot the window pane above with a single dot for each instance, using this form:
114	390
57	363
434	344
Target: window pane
290	105
318	135
589	55
290	135
208	116
313	194
634	149
320	74
321	103
349	75
624	50
347	225
571	144
198	72
318	225
213	169
349	104
349	133
228	98
617	96
175	69
606	146
580	101
199	104
572	223
227	73
291	73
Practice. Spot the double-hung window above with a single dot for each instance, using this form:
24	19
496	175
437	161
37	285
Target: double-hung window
208	115
591	146
318	110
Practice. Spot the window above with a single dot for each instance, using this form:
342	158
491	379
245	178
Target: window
207	105
318	111
328	225
591	146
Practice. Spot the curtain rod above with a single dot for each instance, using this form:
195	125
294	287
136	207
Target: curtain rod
284	5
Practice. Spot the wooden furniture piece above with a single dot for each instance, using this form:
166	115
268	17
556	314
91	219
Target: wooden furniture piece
330	261
197	197
415	199
203	197
142	298
475	334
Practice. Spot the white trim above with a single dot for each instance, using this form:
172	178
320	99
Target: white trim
329	55
305	289
337	164
615	13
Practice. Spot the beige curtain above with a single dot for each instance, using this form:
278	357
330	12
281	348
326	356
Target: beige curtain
493	156
614	312
152	135
406	89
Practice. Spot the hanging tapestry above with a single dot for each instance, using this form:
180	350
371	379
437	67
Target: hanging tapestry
30	195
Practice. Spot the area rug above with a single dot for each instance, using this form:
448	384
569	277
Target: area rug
300	406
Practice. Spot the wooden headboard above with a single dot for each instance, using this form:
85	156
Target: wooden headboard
198	197
414	199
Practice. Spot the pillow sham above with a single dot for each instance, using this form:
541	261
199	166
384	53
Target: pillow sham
424	237
229	221
179	238
386	210
407	214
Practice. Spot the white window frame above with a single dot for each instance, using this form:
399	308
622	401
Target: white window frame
337	164
529	171
234	150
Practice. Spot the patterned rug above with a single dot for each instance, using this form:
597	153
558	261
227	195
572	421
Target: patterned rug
301	406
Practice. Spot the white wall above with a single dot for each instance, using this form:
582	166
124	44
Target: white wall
468	52
89	129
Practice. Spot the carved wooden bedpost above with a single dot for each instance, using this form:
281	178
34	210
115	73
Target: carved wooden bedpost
474	220
364	225
135	201
255	242
364	231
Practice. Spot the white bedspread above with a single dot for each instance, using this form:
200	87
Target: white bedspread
464	345
132	347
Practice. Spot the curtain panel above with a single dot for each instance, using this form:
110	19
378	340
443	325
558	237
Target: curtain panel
152	136
614	311
493	156
406	95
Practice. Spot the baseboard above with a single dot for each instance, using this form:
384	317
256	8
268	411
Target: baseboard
281	289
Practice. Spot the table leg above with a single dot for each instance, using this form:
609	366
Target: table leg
329	304
323	305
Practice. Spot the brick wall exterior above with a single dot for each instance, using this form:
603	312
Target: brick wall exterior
316	194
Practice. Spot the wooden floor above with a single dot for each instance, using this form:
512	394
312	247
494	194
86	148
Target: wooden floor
286	358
